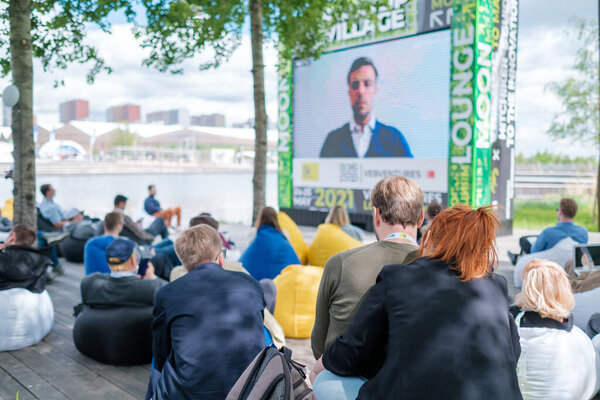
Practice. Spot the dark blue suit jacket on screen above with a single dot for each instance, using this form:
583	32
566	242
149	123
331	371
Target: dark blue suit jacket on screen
386	141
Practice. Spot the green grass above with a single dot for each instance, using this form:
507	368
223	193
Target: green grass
540	214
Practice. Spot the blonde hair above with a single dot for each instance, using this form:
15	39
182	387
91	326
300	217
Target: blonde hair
126	266
546	290
338	216
197	245
399	200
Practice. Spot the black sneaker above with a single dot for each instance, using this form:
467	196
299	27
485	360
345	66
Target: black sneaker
58	269
513	257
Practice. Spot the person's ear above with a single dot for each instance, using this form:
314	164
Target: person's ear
421	219
221	259
376	217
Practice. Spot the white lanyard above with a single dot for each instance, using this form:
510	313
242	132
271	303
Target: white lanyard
400	235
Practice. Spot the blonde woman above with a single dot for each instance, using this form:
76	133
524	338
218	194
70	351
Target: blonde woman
338	216
558	360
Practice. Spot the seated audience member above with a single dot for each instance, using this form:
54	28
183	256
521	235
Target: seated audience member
133	231
558	360
152	207
53	212
94	258
397	213
208	324
113	323
206	218
22	266
270	251
549	237
433	209
338	216
437	328
26	310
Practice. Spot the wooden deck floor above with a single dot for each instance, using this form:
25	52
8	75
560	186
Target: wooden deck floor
54	369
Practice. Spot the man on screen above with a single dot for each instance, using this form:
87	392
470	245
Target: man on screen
364	136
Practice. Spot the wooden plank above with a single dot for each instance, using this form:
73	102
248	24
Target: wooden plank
131	379
28	378
71	378
9	387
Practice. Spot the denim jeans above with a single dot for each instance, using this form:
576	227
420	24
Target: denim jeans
329	386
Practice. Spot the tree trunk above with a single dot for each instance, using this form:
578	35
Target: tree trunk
598	193
21	64
260	114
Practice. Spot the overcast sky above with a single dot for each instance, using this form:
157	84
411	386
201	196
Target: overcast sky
545	54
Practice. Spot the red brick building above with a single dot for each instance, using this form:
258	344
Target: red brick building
124	113
74	110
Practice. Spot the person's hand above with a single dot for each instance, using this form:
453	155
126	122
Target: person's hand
316	370
150	272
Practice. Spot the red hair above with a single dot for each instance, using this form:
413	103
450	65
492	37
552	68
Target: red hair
465	239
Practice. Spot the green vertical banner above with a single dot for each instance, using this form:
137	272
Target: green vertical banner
284	144
469	163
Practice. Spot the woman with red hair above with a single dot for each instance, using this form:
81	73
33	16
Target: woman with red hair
437	328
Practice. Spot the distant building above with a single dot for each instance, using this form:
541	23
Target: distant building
74	110
6	116
180	116
217	120
123	113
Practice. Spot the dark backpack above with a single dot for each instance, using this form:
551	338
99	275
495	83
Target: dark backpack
272	375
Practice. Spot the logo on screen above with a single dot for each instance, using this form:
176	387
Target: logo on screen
310	171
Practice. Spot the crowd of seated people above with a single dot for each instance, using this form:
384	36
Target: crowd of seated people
393	319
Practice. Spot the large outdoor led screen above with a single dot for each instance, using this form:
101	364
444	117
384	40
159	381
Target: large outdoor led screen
387	116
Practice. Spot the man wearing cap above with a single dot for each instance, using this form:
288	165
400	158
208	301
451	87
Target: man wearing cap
208	324
123	285
113	321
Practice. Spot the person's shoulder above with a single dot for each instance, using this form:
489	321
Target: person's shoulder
342	130
94	279
390	128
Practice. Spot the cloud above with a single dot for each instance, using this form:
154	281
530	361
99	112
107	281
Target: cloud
227	90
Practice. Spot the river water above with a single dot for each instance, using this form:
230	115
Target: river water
227	196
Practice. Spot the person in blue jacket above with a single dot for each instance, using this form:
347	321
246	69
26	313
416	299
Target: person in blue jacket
364	135
270	252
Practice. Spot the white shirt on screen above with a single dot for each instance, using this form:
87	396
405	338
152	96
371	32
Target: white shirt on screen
361	137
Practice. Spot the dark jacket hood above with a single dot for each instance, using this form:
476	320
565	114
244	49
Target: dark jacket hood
23	267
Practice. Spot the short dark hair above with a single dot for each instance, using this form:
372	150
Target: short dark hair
45	188
119	199
361	62
150	187
25	234
568	207
433	209
112	219
204	219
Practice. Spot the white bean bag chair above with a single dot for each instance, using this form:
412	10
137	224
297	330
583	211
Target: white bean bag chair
586	304
25	318
560	254
556	364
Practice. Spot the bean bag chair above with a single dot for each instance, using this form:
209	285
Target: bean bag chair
297	288
72	247
268	254
560	254
115	335
586	304
330	239
296	239
25	318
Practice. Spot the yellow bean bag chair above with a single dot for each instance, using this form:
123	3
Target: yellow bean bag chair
7	208
295	236
297	288
329	240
